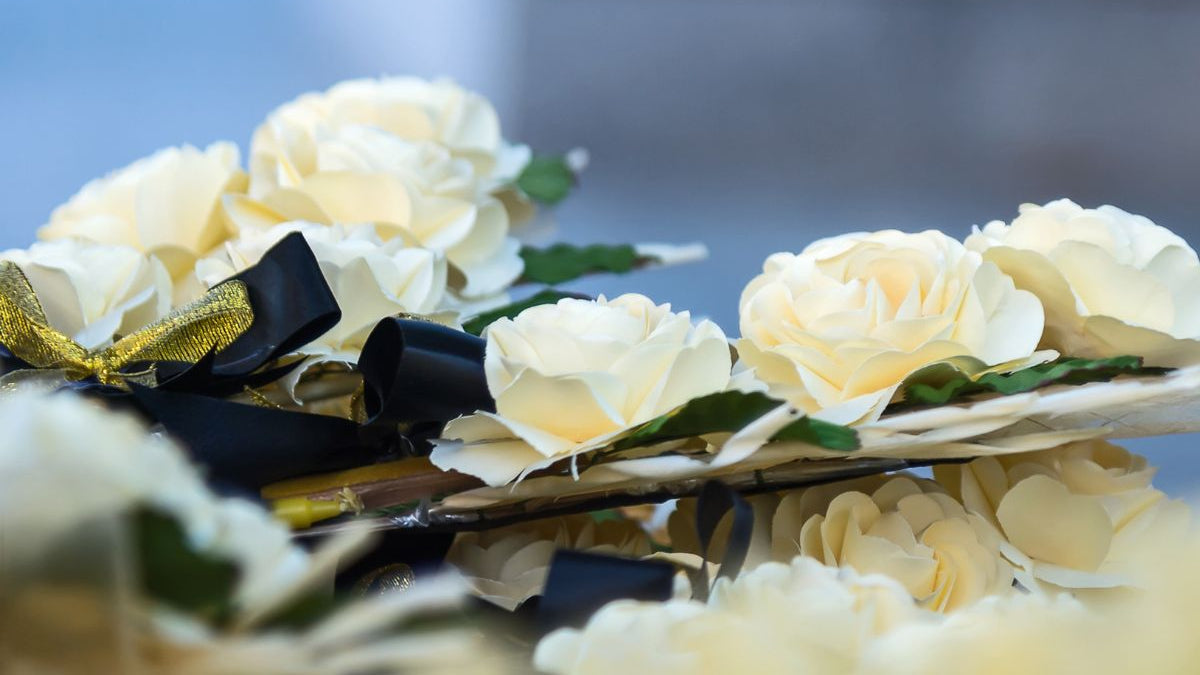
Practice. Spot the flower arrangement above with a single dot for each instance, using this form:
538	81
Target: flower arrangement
350	337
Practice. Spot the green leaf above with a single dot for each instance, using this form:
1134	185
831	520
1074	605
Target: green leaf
564	262
549	296
546	179
177	575
940	384
730	411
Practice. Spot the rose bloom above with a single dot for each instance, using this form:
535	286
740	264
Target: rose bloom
92	292
797	618
419	159
167	204
836	329
508	565
1113	283
67	464
1083	516
568	378
370	278
923	538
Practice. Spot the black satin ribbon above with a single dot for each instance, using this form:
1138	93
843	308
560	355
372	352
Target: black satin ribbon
715	500
416	376
293	305
580	583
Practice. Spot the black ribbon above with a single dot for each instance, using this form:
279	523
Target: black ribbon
715	500
416	376
293	306
580	583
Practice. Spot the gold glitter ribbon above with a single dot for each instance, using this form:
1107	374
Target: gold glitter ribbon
186	335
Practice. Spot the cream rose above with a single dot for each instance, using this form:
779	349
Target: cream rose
94	293
1077	517
924	539
1113	283
795	618
371	279
508	565
837	328
67	463
418	159
165	204
569	377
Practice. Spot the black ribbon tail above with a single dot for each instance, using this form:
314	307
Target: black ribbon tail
250	446
716	499
580	583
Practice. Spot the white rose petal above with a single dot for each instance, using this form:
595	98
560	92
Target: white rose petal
569	377
1113	283
93	292
419	159
166	204
837	328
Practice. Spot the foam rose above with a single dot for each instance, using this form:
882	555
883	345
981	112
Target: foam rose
92	292
167	204
568	378
419	159
837	328
1113	283
1083	516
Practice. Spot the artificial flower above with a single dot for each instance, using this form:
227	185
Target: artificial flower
836	329
570	377
167	204
1083	516
923	538
1113	283
66	462
508	565
801	617
419	159
371	279
93	292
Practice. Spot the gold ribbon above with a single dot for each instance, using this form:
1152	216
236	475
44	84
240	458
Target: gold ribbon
186	335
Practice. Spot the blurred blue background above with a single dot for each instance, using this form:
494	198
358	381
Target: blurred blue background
755	126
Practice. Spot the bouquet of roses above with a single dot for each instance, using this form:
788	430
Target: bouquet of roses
350	334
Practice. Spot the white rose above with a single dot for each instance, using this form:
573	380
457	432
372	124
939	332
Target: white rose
567	378
924	539
795	618
370	279
837	328
94	293
416	158
1113	283
165	204
508	565
67	463
1083	516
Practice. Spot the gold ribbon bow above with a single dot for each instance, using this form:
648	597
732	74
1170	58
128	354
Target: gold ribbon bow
186	335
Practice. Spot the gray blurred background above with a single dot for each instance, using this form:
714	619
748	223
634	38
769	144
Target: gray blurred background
755	126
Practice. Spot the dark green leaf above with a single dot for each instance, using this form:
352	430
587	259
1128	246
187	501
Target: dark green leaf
175	574
730	411
549	296
546	179
941	384
564	262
